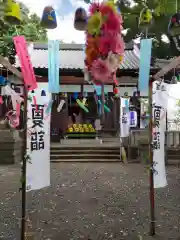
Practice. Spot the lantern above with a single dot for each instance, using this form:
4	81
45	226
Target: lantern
49	18
145	18
174	30
13	13
80	19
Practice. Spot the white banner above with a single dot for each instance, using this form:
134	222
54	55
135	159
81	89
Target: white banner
38	138
160	98
124	118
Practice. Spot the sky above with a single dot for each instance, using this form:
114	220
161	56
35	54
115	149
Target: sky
65	10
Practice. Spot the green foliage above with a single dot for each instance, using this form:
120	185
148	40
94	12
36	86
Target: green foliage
30	27
162	11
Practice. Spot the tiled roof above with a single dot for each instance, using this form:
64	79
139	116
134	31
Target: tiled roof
72	57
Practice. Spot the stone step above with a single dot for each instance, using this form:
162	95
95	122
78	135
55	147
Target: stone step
85	160
80	146
84	156
86	150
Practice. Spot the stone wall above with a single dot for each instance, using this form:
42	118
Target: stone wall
10	146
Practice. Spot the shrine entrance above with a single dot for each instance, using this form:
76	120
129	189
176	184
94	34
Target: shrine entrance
72	121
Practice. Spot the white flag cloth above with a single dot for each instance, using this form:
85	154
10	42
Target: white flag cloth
160	99
38	140
124	118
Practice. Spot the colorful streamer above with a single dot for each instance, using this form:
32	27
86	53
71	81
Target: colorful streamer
105	106
26	66
53	66
75	95
82	105
144	69
49	106
98	89
1	100
13	116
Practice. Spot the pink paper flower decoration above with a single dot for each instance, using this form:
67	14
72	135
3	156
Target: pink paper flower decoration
118	45
101	71
113	24
113	61
109	43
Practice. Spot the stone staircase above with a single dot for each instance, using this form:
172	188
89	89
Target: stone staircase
173	156
83	150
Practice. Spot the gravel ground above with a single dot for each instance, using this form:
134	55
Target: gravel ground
90	201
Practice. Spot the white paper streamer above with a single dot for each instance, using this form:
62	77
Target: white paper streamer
7	90
60	106
84	101
124	118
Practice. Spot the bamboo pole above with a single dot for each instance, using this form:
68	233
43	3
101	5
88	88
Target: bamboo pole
23	188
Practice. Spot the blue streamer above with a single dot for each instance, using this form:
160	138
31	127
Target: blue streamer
49	106
53	66
99	108
144	69
126	102
98	89
75	95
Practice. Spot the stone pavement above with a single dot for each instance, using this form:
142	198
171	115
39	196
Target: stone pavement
90	201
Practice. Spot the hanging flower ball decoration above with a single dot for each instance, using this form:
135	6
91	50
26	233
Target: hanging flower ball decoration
104	43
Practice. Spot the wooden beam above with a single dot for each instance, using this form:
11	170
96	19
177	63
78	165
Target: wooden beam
10	67
173	64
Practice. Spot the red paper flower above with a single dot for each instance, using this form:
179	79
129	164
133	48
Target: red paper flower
116	91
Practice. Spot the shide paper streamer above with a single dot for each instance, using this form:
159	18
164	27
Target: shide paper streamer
61	104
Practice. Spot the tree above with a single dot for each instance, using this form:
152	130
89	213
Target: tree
162	11
30	27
